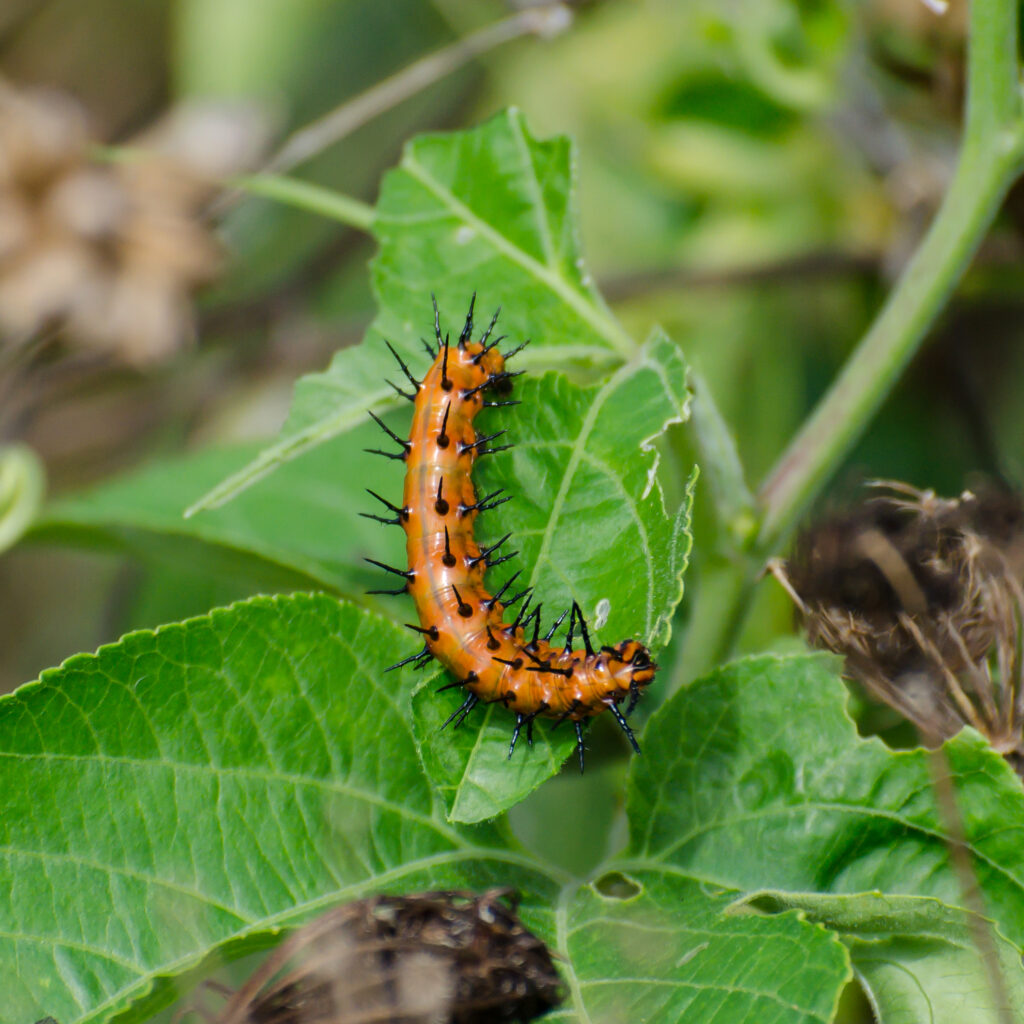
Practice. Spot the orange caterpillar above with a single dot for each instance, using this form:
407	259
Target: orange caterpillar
462	623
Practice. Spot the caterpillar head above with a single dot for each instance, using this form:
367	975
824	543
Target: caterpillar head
632	664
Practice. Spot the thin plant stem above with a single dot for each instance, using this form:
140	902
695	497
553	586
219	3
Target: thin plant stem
307	142
306	196
331	128
970	891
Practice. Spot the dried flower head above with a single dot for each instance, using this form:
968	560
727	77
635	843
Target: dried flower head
922	596
434	958
109	251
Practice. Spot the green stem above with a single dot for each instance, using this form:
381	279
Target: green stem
989	161
307	196
974	196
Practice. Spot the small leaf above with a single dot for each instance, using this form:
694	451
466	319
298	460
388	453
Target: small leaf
917	959
754	777
487	211
589	521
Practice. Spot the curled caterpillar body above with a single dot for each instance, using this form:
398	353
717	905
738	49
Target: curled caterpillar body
462	624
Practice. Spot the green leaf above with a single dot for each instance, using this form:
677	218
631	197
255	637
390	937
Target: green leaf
194	790
917	959
655	946
487	211
304	518
755	778
207	783
590	523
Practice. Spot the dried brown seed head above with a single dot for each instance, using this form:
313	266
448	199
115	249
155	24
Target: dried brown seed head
922	596
110	252
433	958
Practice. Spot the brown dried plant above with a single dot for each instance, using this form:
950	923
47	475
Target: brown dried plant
922	596
435	958
108	251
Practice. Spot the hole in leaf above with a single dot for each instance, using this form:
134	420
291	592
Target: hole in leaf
616	886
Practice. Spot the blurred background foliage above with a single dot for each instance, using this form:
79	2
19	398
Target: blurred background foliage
753	174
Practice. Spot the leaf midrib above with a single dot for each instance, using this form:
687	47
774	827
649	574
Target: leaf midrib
603	325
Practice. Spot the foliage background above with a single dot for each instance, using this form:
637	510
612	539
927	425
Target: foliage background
753	176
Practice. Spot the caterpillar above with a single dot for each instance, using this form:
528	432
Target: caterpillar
463	625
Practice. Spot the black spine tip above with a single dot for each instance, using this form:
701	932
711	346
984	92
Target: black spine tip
386	520
467	330
406	573
423	657
624	726
387	430
518	597
441	506
404	394
405	369
448	558
485	552
522	611
451	686
443	440
578	612
402	513
492	601
432	633
579	743
486	335
554	626
480	442
462	711
465	609
520	718
398	456
486	504
514	352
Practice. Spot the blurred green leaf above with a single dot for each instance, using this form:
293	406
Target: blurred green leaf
918	959
304	518
589	519
22	486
